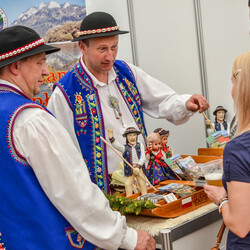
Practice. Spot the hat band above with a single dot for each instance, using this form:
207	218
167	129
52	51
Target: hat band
22	49
131	130
103	30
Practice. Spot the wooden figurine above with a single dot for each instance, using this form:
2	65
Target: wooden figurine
134	153
157	170
219	124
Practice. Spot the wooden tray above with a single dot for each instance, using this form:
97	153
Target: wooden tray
176	208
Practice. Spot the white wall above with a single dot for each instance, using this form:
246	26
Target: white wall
168	50
167	46
226	35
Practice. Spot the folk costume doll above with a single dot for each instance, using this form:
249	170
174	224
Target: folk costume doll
134	153
164	134
157	170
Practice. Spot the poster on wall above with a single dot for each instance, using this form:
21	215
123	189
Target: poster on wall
56	21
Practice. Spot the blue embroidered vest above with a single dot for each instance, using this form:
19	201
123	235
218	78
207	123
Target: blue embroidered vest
28	220
84	101
127	155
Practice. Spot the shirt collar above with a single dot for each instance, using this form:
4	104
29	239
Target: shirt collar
10	84
111	75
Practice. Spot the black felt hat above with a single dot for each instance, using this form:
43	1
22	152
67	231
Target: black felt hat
219	108
18	42
130	130
98	24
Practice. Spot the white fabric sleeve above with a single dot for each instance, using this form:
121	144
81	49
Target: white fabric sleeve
159	100
143	156
64	177
118	146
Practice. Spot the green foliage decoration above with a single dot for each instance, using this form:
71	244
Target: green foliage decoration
128	206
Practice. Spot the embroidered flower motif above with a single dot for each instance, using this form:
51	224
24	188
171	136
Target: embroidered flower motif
100	183
80	104
91	98
129	100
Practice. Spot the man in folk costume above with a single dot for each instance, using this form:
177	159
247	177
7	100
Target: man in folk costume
48	199
115	95
133	153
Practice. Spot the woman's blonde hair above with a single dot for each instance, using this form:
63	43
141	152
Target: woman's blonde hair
241	72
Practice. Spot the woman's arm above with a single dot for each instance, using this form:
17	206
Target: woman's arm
236	213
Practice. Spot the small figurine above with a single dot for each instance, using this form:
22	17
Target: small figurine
157	170
134	153
164	134
219	124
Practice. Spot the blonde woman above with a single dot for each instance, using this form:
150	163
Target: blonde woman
234	198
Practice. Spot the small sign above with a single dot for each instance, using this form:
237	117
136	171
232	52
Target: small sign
187	202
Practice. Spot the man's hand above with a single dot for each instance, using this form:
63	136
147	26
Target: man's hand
197	102
144	241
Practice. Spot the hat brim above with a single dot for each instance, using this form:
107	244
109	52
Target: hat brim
214	113
131	132
40	49
105	34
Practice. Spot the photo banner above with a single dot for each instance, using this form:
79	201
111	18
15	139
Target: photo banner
56	22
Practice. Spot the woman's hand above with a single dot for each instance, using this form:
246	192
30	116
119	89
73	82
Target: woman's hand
215	193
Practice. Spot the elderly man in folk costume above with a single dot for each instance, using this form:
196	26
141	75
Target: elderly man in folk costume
115	94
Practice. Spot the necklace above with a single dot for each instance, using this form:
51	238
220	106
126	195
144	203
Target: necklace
114	104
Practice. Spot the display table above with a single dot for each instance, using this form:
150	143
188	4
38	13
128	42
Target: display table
204	221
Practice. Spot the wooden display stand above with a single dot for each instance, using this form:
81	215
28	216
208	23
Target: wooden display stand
203	158
211	151
181	205
173	232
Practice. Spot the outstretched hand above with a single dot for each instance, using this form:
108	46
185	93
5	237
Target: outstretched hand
197	102
145	241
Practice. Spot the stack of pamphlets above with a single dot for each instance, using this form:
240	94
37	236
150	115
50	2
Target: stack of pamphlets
180	189
173	164
190	168
185	169
218	139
